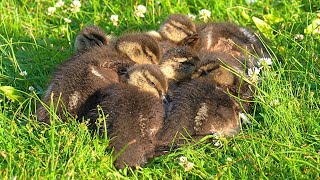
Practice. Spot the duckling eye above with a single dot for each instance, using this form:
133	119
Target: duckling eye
153	84
149	57
150	82
188	63
137	52
179	28
209	71
203	73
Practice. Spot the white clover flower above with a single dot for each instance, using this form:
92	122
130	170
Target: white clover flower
60	3
63	29
51	10
75	6
67	20
23	73
31	88
264	62
140	10
188	166
317	30
254	74
205	14
217	144
192	16
114	18
299	37
251	1
183	160
274	103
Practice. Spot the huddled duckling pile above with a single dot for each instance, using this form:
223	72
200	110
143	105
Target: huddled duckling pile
157	87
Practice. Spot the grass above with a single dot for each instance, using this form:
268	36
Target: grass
283	141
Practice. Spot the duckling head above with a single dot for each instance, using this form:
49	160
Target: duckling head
178	63
90	37
140	48
211	67
148	78
177	28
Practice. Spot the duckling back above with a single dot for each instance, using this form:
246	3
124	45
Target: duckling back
199	108
78	78
230	39
135	114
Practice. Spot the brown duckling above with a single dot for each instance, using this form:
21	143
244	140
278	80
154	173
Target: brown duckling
80	76
178	63
199	108
140	48
176	30
89	37
231	39
227	72
135	114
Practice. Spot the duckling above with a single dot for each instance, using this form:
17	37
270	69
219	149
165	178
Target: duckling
139	47
227	72
136	113
176	30
199	108
89	37
178	63
80	76
230	39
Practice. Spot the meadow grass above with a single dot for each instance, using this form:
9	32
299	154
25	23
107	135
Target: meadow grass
283	141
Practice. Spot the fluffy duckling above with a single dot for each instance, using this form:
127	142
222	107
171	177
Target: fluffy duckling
136	114
176	30
80	76
178	63
139	47
199	108
230	39
90	37
227	72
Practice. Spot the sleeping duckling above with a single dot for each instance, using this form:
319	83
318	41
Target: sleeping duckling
231	39
78	78
227	72
139	47
178	63
136	114
175	31
199	108
83	74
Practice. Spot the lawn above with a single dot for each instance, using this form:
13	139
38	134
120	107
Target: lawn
282	142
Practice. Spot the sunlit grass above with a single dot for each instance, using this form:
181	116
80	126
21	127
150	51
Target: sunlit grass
283	141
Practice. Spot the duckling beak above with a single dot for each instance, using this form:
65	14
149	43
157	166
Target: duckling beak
165	98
